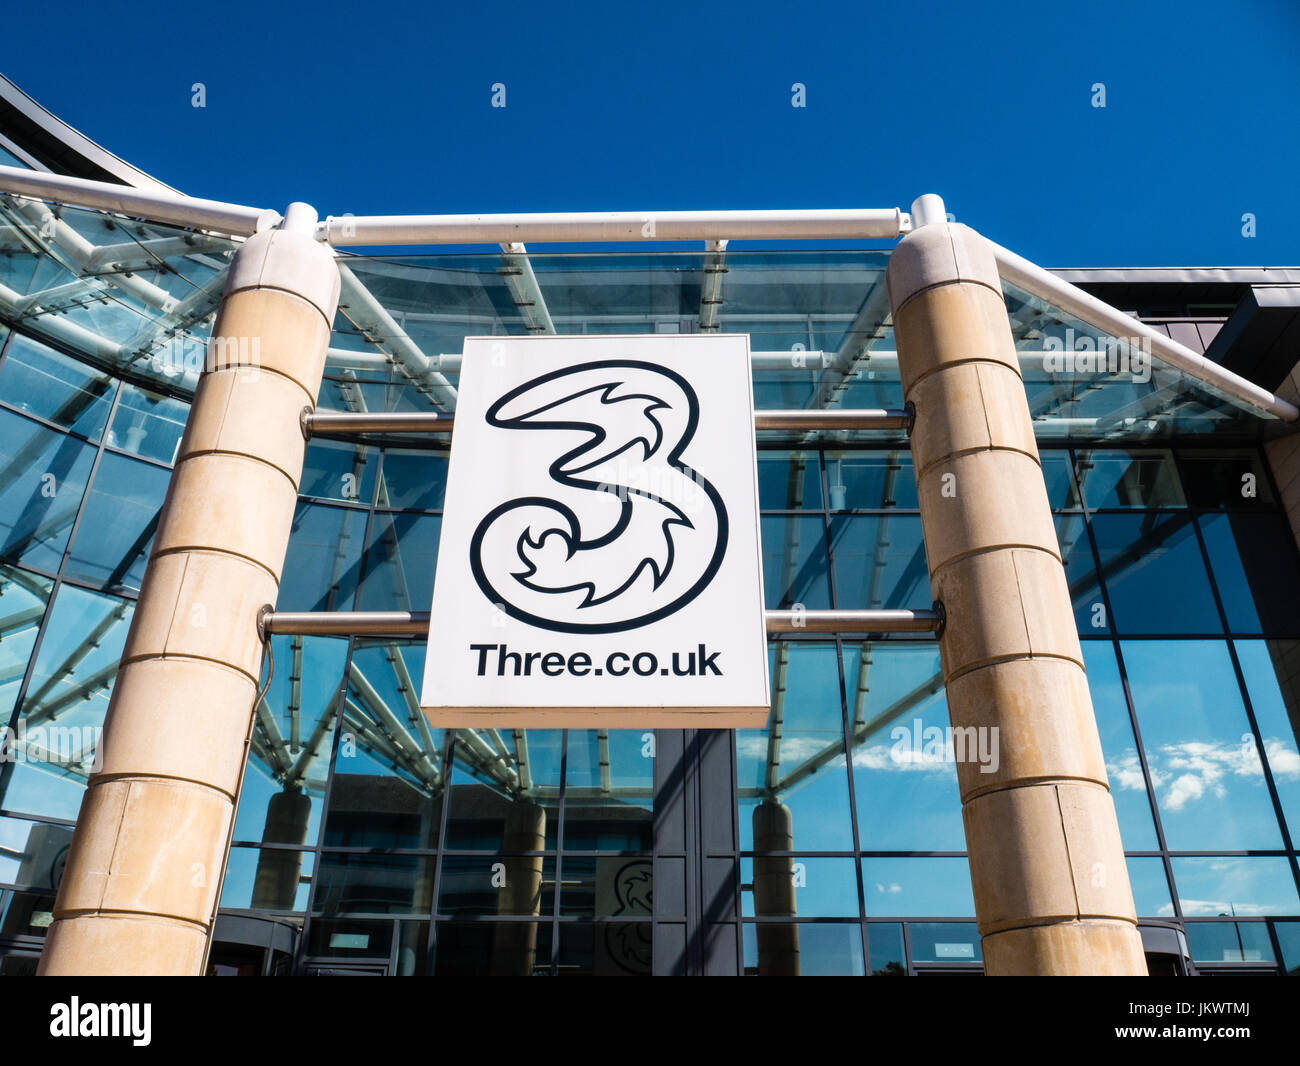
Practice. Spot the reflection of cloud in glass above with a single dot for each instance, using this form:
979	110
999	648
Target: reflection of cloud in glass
891	889
1196	769
891	757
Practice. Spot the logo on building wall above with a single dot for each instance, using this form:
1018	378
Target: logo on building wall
561	560
599	561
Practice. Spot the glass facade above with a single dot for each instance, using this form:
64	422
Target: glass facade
387	846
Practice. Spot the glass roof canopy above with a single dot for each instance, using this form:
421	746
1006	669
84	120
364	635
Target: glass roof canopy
138	298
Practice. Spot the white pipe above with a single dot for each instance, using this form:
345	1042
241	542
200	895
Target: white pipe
373	230
1073	300
233	219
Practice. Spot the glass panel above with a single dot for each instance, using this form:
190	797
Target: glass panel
826	949
23	597
789	481
1235	886
1288	937
374	884
497	884
1204	765
823	888
795	563
1129	479
480	949
1058	476
24	914
904	776
148	424
333	470
323	561
42	479
870	480
289	751
879	562
32	854
67	697
413	480
885	944
1150	888
387	790
1225	479
505	799
118	523
944	942
1128	787
399	562
1155	574
267	879
1081	574
48	384
899	887
1270	669
609	791
1229	942
791	774
1257	571
608	949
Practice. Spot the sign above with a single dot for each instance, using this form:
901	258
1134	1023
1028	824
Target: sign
599	560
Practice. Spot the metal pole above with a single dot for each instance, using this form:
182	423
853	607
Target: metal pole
416	623
342	423
1073	300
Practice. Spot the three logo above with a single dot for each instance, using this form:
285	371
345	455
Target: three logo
628	532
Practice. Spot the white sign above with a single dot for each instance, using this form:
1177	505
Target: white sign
599	562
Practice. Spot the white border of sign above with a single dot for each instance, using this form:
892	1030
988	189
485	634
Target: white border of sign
663	626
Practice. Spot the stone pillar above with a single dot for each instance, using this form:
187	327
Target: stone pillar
275	885
774	895
143	878
514	944
1051	888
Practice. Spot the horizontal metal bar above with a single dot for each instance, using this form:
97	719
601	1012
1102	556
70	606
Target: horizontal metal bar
342	423
367	230
416	623
1073	300
235	220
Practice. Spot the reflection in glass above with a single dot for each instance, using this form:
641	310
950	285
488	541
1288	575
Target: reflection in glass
389	773
289	748
1155	574
324	559
1129	479
826	949
118	523
944	942
899	887
885	946
1150	887
904	780
23	597
1220	479
1256	570
817	888
147	423
1203	761
465	949
1270	669
794	563
791	773
54	387
871	480
399	562
352	883
42	479
413	480
789	481
1081	574
67	697
609	790
879	562
505	789
1128	787
334	470
267	879
1229	942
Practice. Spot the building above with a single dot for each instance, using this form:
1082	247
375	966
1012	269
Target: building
832	841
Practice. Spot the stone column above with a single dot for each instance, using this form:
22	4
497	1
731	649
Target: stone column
1051	888
774	894
143	878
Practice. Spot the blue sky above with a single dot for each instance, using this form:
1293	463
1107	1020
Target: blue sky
379	109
